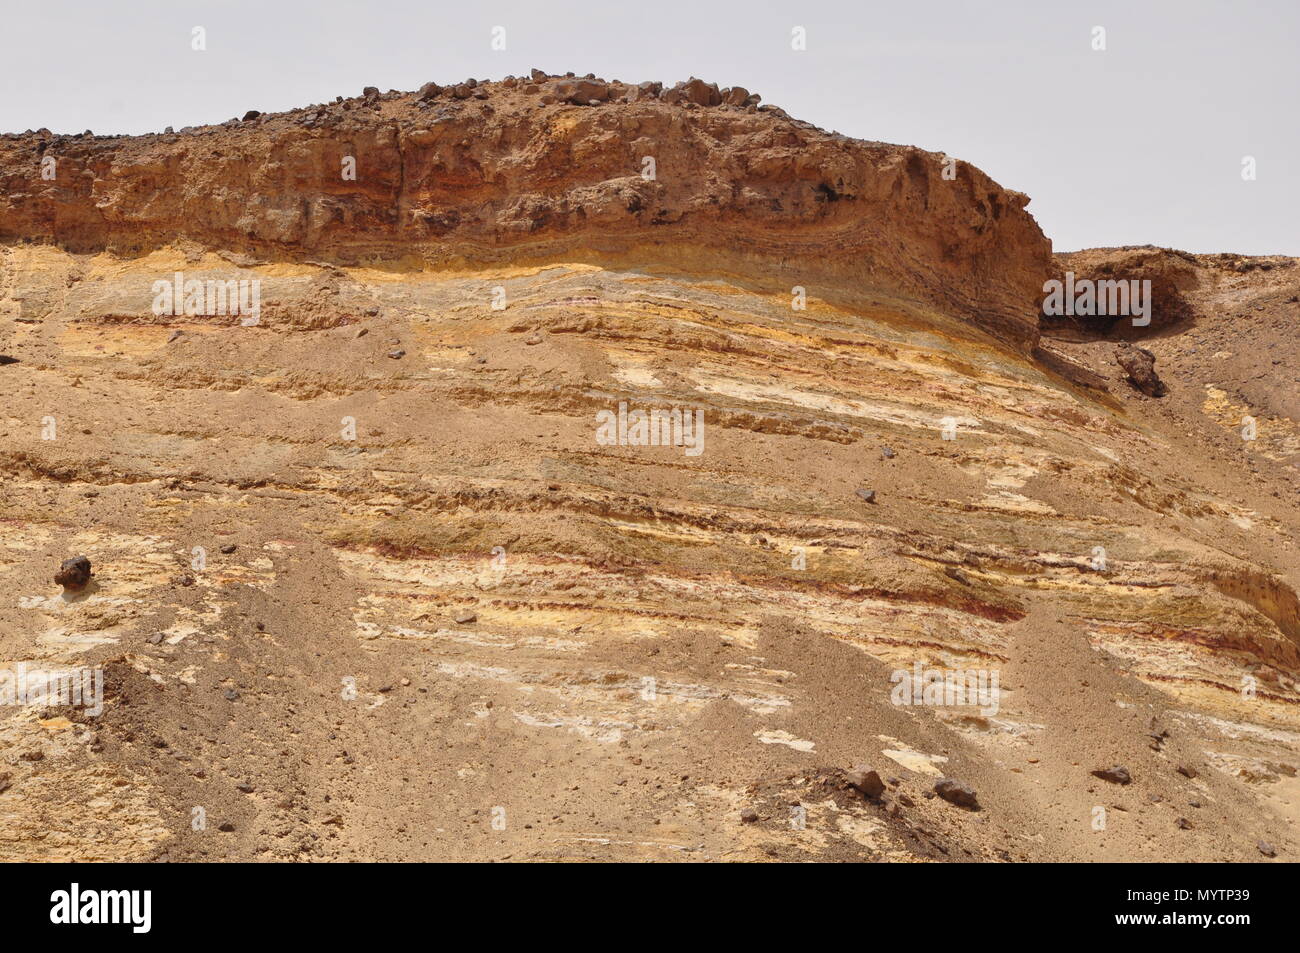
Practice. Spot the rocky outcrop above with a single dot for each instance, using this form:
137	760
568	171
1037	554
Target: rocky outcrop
687	175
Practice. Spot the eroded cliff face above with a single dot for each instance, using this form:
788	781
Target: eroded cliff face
369	584
519	170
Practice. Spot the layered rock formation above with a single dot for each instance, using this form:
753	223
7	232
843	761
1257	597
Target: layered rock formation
510	171
367	583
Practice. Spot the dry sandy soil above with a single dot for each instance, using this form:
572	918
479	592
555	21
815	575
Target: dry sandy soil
435	618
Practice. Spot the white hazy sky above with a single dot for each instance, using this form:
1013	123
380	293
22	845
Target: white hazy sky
1142	143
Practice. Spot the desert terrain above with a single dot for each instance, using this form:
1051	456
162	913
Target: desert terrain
367	586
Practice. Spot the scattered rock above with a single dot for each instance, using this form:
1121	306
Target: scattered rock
735	96
245	788
397	354
533	338
464	617
955	792
251	114
582	92
231	694
1118	774
1187	771
868	495
1140	366
156	638
1184	824
748	816
175	334
226	827
1264	847
866	781
888	453
229	548
74	573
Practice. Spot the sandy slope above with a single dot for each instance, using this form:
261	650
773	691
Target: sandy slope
660	641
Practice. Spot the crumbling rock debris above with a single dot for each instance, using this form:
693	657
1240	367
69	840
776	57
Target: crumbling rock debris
1139	364
1117	774
956	792
866	781
582	92
74	573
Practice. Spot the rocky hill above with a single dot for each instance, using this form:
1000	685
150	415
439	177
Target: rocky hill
369	581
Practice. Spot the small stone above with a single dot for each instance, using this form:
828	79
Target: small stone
1187	771
175	334
230	694
156	638
867	495
1118	774
229	548
397	354
226	827
74	573
1184	824
1264	847
246	788
748	816
888	453
865	780
533	338
464	617
251	114
955	792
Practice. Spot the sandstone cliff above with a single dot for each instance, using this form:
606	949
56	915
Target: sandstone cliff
368	585
518	169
